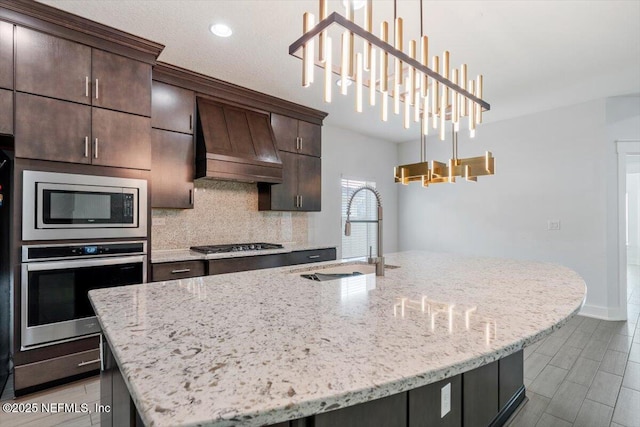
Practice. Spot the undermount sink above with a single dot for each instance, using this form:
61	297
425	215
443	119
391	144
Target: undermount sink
339	271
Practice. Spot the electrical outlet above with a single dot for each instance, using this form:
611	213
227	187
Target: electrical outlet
157	221
553	224
445	400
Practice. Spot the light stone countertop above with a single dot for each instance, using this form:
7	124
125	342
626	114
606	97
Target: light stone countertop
264	346
172	255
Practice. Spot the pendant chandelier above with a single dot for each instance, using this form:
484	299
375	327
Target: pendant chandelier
434	97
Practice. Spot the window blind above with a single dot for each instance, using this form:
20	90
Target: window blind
364	206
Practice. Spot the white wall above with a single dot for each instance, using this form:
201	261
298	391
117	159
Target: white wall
354	155
549	166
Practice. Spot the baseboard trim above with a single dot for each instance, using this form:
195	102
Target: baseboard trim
603	313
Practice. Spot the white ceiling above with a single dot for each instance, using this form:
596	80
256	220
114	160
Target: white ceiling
534	55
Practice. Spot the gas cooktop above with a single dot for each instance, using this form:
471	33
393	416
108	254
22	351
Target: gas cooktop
235	247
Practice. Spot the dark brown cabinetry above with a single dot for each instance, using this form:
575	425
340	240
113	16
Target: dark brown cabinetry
6	112
195	268
178	270
6	55
480	395
389	412
299	145
301	185
425	404
172	146
172	108
63	132
172	169
296	136
66	132
58	68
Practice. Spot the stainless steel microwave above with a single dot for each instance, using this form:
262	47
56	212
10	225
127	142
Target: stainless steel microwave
60	206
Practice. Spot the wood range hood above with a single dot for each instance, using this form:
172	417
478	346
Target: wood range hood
235	143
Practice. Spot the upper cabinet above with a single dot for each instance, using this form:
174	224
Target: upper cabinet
6	112
58	68
6	55
296	136
76	133
172	108
91	106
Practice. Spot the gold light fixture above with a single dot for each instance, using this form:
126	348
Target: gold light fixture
438	95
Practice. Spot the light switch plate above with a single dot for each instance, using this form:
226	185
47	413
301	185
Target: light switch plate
553	224
445	400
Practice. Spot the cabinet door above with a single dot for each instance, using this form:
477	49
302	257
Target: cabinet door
121	83
50	66
310	137
120	139
172	169
50	129
309	185
425	404
282	197
285	130
6	112
172	108
388	411
480	395
6	55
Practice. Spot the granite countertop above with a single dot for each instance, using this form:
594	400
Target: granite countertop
172	255
264	346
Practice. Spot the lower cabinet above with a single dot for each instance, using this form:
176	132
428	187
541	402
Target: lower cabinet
45	371
389	412
426	406
178	270
184	269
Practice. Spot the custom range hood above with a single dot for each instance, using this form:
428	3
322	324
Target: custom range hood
236	144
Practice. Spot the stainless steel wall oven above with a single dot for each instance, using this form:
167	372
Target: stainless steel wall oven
56	280
71	206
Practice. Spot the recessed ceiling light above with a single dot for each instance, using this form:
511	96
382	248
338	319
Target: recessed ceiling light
357	4
221	30
339	82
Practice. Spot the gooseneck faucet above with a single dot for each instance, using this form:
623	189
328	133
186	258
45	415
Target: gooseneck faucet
379	259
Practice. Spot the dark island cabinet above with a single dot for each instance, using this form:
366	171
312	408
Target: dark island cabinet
54	67
296	136
6	112
172	169
300	189
6	55
76	133
172	108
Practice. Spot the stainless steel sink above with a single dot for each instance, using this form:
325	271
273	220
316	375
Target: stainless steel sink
338	271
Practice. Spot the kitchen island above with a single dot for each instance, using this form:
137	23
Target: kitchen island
268	346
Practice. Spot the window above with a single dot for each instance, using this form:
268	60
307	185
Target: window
364	206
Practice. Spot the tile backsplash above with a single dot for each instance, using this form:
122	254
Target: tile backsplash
224	212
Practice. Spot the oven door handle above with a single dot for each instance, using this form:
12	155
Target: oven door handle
94	262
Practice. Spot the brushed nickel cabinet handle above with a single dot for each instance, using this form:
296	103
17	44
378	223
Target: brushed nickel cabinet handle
97	89
90	362
86	86
314	256
181	270
300	144
300	201
86	146
191	197
95	153
190	121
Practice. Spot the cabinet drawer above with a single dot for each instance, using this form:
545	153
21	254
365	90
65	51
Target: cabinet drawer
233	265
177	270
317	255
54	369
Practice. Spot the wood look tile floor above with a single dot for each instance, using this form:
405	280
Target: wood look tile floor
586	374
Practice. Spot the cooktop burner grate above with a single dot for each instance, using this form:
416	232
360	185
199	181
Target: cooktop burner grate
235	247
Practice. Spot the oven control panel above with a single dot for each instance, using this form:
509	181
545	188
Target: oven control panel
53	252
